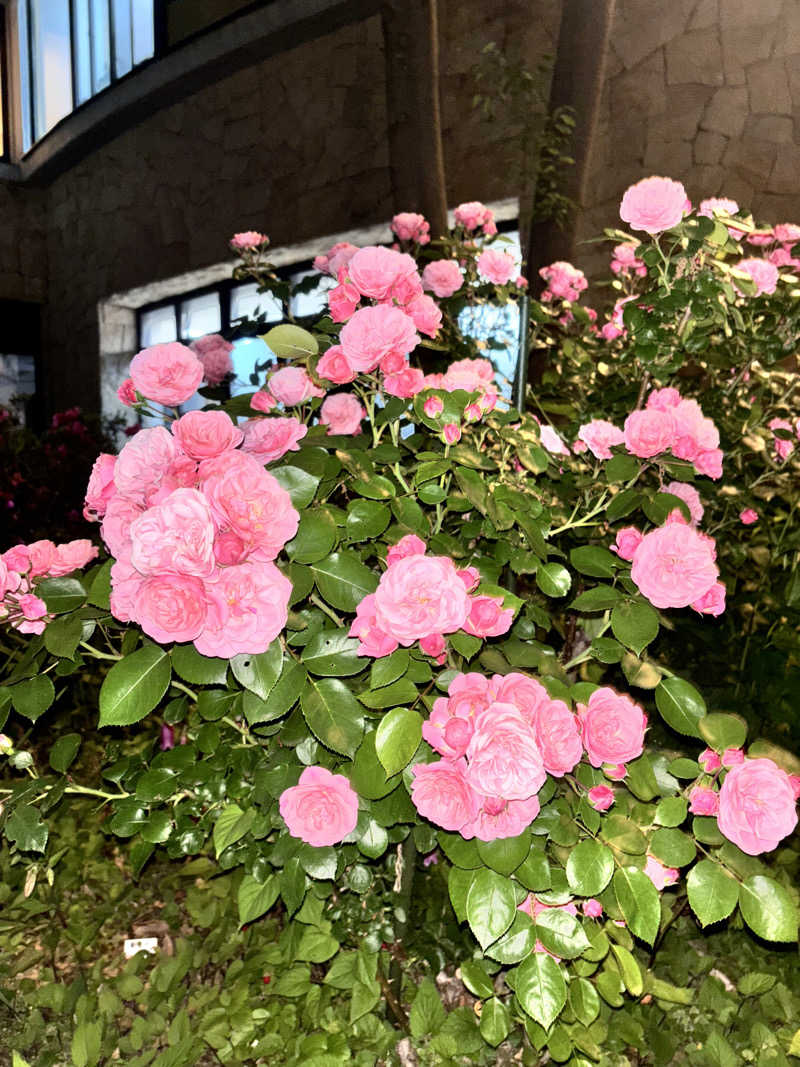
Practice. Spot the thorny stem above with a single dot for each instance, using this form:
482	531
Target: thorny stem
324	607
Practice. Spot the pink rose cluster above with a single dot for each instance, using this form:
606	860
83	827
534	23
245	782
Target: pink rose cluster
214	352
474	215
671	423
194	523
496	266
248	241
563	282
322	809
168	373
338	256
500	737
22	567
410	226
783	446
424	598
625	262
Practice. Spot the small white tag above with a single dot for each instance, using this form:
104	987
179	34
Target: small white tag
140	944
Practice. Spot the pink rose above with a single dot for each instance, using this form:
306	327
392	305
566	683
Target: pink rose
443	277
525	693
709	760
426	313
144	463
601	797
649	432
473	214
168	373
433	407
689	495
717	205
203	434
322	809
472	375
343	300
599	436
17	559
419	596
664	399
175	537
374	333
263	401
592	908
410	545
703	801
653	205
762	272
694	433
376	271
552	441
42	555
72	556
747	516
405	384
292	385
674	566
557	736
126	393
625	261
487	617
435	646
756	806
373	640
709	463
628	540
495	266
712	602
788	233
660	875
440	792
503	757
248	241
342	414
451	433
732	757
248	606
332	261
335	367
214	352
171	607
101	487
248	500
449	728
116	528
500	818
612	726
409	226
269	439
564	282
615	771
783	447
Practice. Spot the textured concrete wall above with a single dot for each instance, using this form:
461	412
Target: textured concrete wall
704	91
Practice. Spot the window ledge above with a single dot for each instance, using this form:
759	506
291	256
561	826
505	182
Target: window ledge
251	38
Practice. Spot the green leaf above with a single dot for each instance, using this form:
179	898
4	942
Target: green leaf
288	341
458	883
589	868
517	942
723	731
259	673
299	484
475	978
343	580
639	902
622	468
333	654
681	706
316	946
553	579
623	504
609	985
635	624
62	636
505	854
367	774
534	871
256	897
389	669
673	847
629	969
231	826
100	590
376	487
584	1001
282	698
333	715
397	738
61	594
671	811
600	598
561	933
64	752
25	827
158	828
606	649
86	1041
491	905
33	697
316	535
366	520
495	1022
134	686
403	691
540	988
197	669
427	1012
768	909
594	561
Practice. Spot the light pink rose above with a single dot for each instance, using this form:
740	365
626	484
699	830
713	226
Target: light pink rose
168	373
269	439
426	314
409	226
405	384
410	545
17	559
694	432
717	205
732	757
748	516
248	241
101	487
709	760
592	908
171	607
203	434
690	496
526	694
664	399
42	555
440	792
126	393
292	385
373	640
557	736
628	540
248	606
248	500
500	818
612	727
601	797
322	809
472	375
496	266
551	440
703	801
332	261
783	447
72	556
144	463
443	277
376	271
756	806
433	407
342	414
214	352
374	333
788	233
625	261
451	433
335	367
487	617
473	413
673	566
435	646
599	436
473	214
615	771
116	528
709	463
660	875
712	602
649	432
503	757
263	401
175	537
343	300
653	205
448	728
564	282
125	585
419	596
763	273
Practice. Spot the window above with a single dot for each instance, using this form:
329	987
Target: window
70	50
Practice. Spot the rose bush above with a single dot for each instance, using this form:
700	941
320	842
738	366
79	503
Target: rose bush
425	637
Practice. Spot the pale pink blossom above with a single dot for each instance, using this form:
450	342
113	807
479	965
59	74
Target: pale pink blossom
263	401
410	545
601	797
612	727
175	537
762	272
717	205
441	793
653	204
292	385
270	439
660	875
783	446
703	801
248	241
499	818
248	606
72	556
214	352
732	757
203	434
496	266
335	367
552	441
115	531
168	374
756	806
625	261
426	314
405	384
127	393
375	332
473	214
615	771
170	607
503	757
674	566
748	516
374	641
487	617
433	407
42	555
709	760
322	809
471	375
557	735
788	233
342	414
649	432
419	596
443	277
564	282
628	540
101	487
338	256
410	226
592	908
451	433
600	436
664	399
690	496
377	271
711	602
343	299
